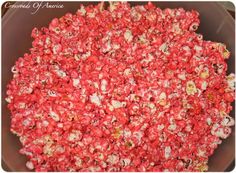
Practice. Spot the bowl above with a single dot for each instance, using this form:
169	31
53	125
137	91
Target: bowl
216	25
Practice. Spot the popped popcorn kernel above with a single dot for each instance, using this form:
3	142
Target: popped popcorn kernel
117	133
117	104
95	99
202	167
30	165
204	74
231	81
128	35
191	88
167	152
162	99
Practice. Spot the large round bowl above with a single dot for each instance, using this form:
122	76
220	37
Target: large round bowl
216	25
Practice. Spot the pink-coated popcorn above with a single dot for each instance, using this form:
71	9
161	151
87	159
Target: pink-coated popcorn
121	89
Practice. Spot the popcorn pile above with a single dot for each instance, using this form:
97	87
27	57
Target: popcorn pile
121	89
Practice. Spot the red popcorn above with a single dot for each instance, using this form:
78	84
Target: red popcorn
121	89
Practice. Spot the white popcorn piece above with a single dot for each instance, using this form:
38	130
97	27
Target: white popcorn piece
163	48
127	72
60	125
45	123
138	135
13	70
95	84
191	88
186	48
113	159
197	48
26	122
117	104
162	96
182	76
8	99
52	93
82	10
209	121
201	153
60	73
113	5
76	82
227	121
162	99
172	127
143	39
116	46
128	36
54	116
125	162
205	73
21	105
127	133
103	85
221	133
95	99
74	135
204	85
30	165
231	81
91	15
167	152
160	127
